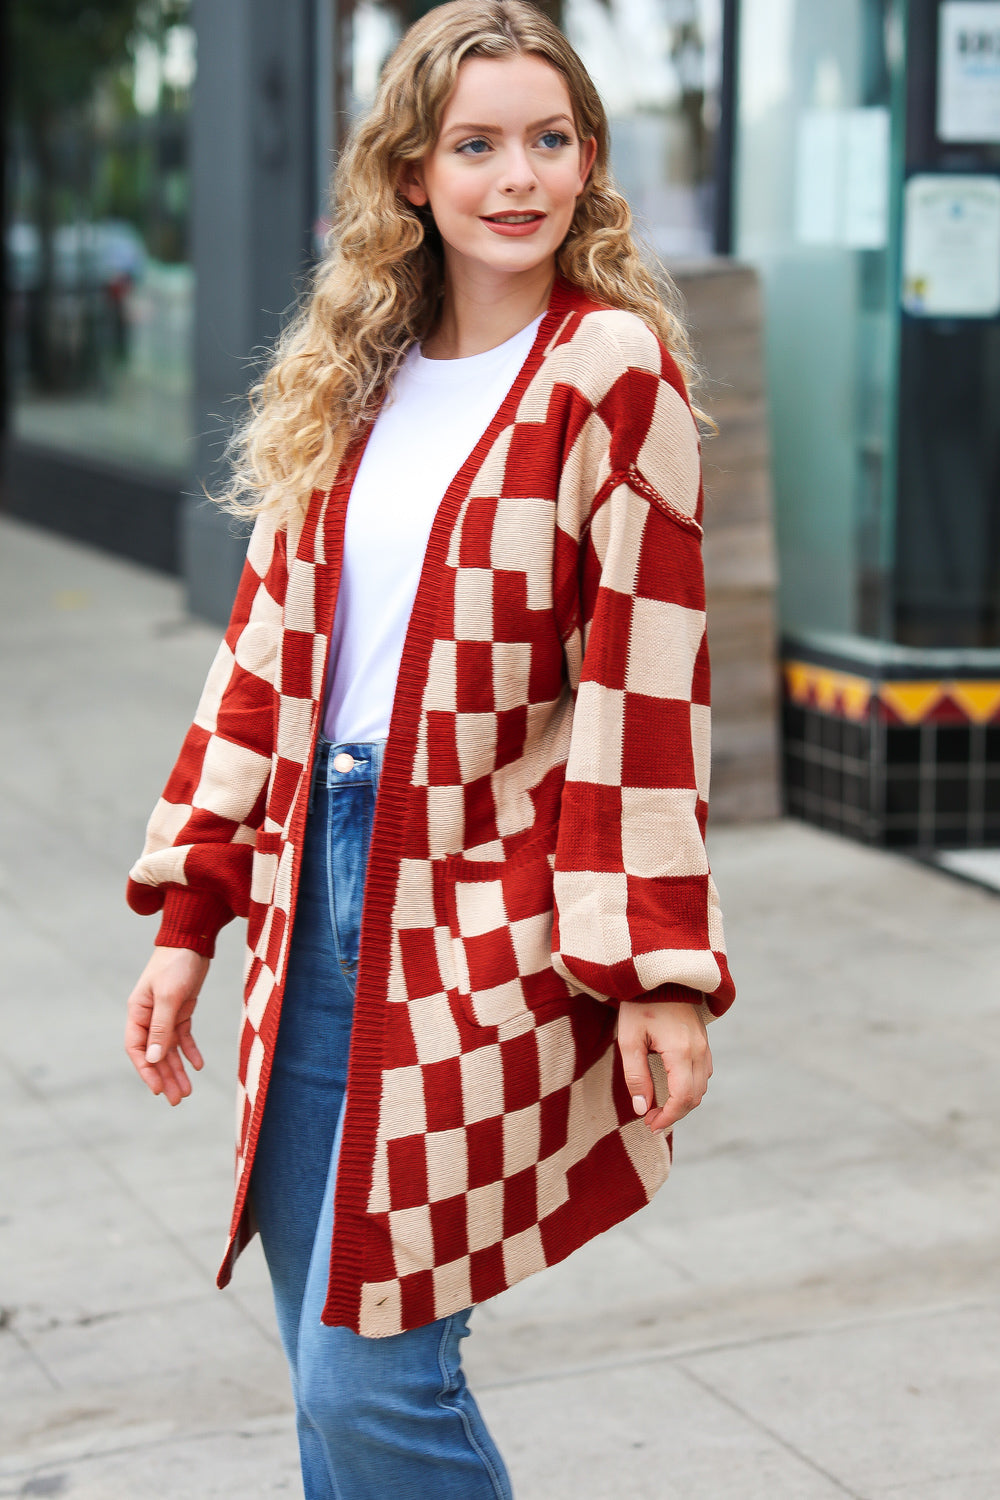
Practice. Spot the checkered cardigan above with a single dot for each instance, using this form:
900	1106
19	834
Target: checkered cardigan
537	854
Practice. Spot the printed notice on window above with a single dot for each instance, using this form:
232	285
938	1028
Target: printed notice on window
842	178
951	246
969	71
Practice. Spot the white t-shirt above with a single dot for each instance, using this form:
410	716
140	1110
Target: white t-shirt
436	413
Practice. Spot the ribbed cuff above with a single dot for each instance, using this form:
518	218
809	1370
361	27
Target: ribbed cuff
678	992
192	919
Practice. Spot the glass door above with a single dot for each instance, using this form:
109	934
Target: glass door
819	141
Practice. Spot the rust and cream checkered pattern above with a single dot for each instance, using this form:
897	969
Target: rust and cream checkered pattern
538	848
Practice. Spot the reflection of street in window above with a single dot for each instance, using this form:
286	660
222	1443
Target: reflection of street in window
100	289
657	65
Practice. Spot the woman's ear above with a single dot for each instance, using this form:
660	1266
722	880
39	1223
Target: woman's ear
411	184
588	155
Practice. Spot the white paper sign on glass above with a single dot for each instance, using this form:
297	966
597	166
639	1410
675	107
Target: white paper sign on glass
951	246
969	71
842	178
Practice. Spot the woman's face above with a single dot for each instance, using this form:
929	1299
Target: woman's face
503	178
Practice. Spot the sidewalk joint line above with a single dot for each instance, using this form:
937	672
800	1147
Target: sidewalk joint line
774	1435
723	1346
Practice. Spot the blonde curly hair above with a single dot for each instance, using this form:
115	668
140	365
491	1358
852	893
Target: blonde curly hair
377	290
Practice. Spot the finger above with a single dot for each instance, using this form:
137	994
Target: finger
171	1084
638	1078
174	1062
191	1050
135	1047
685	1091
136	1037
138	1011
150	1076
163	1025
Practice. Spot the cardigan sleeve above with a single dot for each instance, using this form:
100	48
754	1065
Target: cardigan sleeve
196	862
636	909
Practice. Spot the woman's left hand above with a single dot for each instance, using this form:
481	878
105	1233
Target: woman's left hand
677	1032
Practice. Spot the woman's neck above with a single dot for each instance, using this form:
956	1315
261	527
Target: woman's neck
477	315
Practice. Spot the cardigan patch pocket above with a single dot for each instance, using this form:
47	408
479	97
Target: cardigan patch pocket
268	850
500	920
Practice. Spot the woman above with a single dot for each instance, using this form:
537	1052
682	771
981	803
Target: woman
503	636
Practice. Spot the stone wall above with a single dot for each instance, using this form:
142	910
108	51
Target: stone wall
724	314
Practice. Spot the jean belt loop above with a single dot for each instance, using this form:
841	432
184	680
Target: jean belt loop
317	768
378	759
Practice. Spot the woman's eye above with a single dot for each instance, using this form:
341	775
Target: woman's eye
553	139
475	147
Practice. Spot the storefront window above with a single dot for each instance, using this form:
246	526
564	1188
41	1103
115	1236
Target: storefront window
814	214
97	230
354	39
657	66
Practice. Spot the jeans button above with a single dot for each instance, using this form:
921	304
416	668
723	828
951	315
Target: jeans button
343	762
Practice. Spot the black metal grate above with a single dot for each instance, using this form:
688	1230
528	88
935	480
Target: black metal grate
931	785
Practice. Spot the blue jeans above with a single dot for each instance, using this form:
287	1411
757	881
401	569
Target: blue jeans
375	1417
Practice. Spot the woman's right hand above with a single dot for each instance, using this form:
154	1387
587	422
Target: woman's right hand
158	1026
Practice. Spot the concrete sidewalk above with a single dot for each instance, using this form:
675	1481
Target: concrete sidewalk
810	1309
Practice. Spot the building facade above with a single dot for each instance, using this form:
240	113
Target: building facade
167	171
867	194
168	165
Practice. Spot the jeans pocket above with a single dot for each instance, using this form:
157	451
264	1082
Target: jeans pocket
349	821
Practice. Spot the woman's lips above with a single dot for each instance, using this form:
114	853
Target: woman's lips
513	224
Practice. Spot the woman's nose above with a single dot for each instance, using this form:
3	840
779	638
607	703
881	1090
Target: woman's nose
518	173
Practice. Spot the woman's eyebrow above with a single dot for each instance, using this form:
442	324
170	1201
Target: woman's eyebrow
472	128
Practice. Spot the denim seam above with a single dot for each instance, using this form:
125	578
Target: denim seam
347	970
324	1449
501	1490
301	1406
